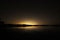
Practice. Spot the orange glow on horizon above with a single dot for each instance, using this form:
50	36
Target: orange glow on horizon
28	22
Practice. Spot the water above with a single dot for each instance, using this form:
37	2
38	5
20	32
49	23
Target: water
29	29
37	32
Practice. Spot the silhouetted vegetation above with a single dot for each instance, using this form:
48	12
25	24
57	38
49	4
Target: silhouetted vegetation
20	25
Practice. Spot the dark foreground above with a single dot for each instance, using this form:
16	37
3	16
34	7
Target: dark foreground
49	34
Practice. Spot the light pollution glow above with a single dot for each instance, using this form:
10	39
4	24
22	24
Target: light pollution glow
29	22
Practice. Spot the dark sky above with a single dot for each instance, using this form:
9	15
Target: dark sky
47	12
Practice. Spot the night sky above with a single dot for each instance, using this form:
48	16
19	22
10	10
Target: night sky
43	11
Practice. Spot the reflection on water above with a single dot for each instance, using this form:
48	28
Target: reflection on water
28	28
31	28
